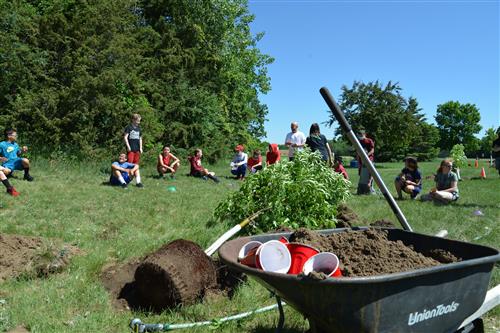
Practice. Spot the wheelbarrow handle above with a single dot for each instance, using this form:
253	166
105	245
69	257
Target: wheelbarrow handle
339	115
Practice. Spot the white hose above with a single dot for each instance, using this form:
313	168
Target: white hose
137	326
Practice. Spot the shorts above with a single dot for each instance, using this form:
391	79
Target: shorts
134	157
14	164
115	181
497	163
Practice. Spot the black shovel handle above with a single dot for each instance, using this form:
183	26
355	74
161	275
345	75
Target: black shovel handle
339	115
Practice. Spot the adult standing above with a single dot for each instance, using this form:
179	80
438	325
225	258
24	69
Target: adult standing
365	184
496	151
295	140
318	142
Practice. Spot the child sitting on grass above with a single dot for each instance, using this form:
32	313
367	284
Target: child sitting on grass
446	189
338	166
197	170
122	172
239	163
255	162
167	163
10	189
10	155
409	180
273	155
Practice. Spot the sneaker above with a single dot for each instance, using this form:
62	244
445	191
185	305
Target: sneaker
28	178
12	191
124	186
204	178
172	176
140	185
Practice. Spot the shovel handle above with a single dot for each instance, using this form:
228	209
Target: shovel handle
339	115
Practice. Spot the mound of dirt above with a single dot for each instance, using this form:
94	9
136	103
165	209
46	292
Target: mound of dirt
178	273
370	252
346	217
32	256
383	224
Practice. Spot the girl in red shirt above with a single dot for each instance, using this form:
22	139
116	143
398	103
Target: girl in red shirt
167	162
255	162
273	155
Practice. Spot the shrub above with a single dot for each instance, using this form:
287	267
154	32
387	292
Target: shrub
302	193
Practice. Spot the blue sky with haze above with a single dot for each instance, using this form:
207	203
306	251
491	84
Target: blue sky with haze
437	51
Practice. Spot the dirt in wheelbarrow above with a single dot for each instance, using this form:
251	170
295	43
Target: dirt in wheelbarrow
177	273
370	252
32	257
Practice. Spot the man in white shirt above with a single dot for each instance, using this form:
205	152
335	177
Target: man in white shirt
295	140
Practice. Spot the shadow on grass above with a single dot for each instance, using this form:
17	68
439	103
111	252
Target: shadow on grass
262	329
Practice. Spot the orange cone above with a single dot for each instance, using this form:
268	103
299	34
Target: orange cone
476	163
483	173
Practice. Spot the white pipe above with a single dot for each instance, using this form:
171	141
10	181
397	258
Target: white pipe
491	301
222	239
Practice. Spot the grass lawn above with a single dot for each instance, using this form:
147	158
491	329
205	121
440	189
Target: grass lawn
110	224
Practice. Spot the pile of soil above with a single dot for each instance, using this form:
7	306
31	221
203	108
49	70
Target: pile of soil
383	224
178	273
32	256
370	252
346	217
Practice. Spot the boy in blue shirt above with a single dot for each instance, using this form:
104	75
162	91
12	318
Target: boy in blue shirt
10	155
122	172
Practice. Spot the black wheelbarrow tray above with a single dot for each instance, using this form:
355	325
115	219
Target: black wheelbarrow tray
435	299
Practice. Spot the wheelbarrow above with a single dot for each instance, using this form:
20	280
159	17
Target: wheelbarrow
435	299
442	298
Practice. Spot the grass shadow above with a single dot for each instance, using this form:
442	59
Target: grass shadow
262	329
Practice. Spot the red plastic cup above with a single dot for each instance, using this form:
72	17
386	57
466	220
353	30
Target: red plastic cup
324	262
273	256
283	240
300	253
247	254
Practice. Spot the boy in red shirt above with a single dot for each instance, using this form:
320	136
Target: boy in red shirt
339	167
255	162
197	170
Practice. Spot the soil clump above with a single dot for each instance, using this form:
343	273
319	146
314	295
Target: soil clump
32	256
178	273
383	224
370	252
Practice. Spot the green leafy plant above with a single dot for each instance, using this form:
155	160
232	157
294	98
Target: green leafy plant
457	153
302	193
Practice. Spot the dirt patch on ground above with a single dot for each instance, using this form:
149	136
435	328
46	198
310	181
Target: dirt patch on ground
368	253
178	273
19	329
32	256
383	224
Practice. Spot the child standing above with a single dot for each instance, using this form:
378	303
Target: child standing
409	180
122	172
239	163
167	162
133	140
197	170
255	162
10	155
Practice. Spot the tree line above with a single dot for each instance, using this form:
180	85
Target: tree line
72	72
400	129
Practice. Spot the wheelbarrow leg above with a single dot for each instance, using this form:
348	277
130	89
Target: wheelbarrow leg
281	321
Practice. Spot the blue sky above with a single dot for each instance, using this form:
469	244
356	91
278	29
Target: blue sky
437	51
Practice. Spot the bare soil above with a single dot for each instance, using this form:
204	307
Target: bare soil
32	256
370	252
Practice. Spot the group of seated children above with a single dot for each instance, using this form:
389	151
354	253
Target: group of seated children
241	162
11	160
410	181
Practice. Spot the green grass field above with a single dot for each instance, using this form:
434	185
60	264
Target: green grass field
109	224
